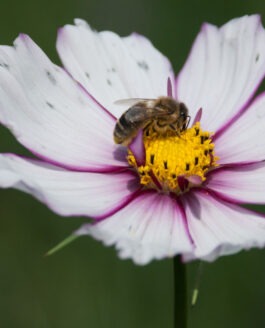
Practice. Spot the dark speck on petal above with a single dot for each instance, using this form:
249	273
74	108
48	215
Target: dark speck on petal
4	65
51	77
257	58
142	64
109	82
111	70
50	105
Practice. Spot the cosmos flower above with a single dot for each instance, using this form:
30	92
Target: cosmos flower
164	194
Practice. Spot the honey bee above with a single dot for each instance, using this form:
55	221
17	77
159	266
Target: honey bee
161	114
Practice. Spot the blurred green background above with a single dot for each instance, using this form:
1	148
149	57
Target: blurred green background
86	285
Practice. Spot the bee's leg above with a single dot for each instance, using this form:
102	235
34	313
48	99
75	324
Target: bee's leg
176	129
186	123
147	129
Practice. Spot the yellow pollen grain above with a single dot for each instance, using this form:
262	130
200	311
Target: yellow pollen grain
169	156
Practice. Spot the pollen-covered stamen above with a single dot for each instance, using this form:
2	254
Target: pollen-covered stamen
175	162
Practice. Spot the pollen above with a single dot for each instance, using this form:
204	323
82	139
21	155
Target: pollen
175	162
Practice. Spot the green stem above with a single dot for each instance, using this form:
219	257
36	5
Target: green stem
180	294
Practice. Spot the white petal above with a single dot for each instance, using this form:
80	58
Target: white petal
243	141
67	192
224	69
218	228
51	114
111	67
244	184
150	227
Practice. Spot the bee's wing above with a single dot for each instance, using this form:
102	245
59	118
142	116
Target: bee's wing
129	102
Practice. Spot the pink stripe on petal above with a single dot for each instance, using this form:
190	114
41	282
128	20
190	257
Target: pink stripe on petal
244	141
244	184
46	161
125	201
94	168
111	67
91	97
50	113
66	192
150	227
235	117
220	228
223	71
183	215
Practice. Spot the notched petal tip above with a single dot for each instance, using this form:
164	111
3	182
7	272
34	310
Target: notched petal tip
22	38
254	17
81	22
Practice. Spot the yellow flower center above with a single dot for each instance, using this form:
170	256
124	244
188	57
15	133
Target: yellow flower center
175	163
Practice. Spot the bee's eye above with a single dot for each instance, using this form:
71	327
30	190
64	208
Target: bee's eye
183	114
183	110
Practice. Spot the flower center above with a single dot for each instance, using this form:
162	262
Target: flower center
175	163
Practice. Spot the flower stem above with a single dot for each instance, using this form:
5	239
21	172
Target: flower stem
180	294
